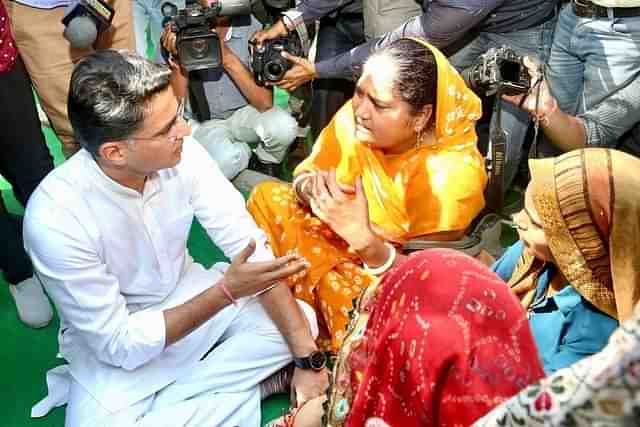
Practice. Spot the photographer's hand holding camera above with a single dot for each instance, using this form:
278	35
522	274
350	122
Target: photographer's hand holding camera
302	70
566	132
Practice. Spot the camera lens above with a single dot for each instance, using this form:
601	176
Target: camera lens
199	48
510	70
273	71
169	9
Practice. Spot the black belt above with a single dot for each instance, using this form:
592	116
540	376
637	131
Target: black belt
587	9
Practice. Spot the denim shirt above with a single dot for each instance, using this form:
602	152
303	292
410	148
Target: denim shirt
566	327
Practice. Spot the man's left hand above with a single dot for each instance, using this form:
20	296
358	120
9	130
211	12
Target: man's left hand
308	384
301	72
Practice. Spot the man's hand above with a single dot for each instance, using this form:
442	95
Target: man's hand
308	384
244	278
276	30
301	72
538	101
168	40
344	209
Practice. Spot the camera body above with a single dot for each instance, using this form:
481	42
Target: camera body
267	62
198	47
499	69
84	19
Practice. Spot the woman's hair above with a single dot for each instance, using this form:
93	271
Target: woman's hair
416	79
109	95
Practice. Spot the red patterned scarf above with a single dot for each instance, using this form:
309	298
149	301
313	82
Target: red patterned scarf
446	342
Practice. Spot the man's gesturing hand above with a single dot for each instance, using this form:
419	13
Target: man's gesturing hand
245	278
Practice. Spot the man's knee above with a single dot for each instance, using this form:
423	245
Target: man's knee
231	157
277	127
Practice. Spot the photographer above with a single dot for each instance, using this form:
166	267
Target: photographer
240	112
465	30
607	124
341	29
49	56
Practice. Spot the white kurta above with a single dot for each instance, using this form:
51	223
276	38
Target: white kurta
112	259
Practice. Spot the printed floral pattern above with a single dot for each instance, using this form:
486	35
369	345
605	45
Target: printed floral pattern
8	51
603	390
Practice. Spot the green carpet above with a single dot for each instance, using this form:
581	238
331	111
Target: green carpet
27	354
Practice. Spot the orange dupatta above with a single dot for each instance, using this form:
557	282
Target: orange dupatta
428	189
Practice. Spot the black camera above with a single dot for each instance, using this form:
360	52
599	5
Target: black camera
499	69
198	47
267	62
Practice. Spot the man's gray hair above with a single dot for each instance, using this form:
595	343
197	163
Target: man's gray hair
109	95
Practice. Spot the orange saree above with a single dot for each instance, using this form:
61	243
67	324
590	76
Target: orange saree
428	189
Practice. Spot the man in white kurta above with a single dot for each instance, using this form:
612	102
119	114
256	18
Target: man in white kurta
113	259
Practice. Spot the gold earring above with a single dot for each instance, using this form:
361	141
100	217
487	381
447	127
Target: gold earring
419	135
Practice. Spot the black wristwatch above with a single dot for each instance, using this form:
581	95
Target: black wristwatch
317	361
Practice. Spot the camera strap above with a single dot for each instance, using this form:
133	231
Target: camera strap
495	166
533	151
293	15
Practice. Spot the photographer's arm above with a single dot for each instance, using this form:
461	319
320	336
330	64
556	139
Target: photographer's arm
261	98
307	11
443	23
565	131
179	76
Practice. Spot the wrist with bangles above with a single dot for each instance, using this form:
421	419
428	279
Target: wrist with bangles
300	183
391	259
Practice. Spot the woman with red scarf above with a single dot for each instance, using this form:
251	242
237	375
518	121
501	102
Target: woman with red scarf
439	341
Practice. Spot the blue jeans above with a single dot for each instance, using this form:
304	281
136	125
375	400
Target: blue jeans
148	12
335	36
534	42
591	58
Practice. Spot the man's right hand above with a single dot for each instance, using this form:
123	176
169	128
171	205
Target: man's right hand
276	30
244	278
168	40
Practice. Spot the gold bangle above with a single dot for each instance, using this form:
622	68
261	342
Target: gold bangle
387	264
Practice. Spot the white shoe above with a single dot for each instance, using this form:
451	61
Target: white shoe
34	308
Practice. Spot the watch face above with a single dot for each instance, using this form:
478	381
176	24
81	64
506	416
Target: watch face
317	360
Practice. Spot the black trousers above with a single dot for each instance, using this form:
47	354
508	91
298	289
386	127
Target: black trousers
24	162
336	36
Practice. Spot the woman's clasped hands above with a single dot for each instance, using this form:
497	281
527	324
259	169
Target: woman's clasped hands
342	207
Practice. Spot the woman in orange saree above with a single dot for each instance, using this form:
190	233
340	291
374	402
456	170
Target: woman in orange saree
399	161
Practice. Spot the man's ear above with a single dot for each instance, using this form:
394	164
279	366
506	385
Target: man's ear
114	152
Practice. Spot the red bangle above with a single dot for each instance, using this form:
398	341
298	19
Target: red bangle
227	293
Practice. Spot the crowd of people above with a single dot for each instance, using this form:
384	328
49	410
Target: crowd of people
320	297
